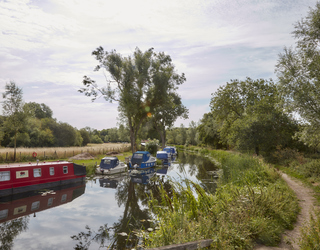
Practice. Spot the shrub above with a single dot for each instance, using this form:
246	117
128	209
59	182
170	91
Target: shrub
152	146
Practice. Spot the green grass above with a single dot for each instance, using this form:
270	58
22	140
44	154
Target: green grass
252	204
310	233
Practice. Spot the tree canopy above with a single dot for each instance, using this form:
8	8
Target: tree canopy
13	110
140	83
249	115
299	75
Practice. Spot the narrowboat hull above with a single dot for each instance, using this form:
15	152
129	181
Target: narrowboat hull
22	178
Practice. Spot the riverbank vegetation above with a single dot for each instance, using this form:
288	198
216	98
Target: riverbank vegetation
252	204
59	153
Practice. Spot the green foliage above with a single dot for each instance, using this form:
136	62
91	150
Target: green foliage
96	139
298	73
285	156
37	110
208	131
152	146
252	204
249	116
145	87
13	111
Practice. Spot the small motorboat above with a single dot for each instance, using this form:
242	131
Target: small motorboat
164	156
142	160
111	165
171	150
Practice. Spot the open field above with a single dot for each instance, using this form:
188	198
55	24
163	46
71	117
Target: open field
26	154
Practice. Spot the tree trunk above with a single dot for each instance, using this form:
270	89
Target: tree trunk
15	146
256	150
163	138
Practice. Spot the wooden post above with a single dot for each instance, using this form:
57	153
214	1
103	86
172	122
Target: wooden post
195	245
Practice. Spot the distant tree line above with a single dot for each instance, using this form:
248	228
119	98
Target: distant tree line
32	125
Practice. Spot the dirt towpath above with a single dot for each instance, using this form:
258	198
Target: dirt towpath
306	202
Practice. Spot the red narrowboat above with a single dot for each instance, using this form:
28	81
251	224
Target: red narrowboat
25	177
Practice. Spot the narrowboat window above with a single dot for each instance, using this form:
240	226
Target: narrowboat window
51	170
50	202
22	174
64	198
65	169
37	172
20	210
35	205
107	161
3	214
5	176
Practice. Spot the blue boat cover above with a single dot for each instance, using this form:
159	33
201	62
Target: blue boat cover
109	162
140	157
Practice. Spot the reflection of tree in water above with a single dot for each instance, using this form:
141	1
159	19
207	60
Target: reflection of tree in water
11	229
134	197
198	166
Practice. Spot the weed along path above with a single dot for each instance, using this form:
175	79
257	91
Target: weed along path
306	201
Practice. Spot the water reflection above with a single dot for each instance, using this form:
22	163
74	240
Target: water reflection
142	176
112	181
109	214
15	210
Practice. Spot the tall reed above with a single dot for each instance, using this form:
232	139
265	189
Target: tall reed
54	153
252	204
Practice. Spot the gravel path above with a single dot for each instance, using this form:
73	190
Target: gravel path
306	202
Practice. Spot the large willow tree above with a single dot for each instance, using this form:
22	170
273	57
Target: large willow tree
139	83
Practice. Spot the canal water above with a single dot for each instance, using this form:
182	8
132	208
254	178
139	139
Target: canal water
102	213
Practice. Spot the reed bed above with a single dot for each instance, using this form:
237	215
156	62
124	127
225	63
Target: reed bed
52	153
251	204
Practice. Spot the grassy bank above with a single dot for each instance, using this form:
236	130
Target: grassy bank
307	170
251	205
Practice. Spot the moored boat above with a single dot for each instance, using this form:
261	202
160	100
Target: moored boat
164	156
25	177
111	165
142	160
171	150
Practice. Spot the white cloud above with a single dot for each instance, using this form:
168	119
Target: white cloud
45	46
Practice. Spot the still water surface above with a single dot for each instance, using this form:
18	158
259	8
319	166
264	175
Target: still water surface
100	213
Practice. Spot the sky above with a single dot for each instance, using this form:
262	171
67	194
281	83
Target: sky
46	46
